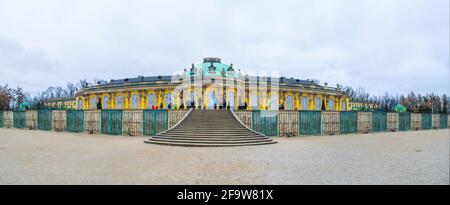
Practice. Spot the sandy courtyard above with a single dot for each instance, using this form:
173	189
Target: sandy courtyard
42	157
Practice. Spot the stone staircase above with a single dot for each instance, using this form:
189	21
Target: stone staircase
210	128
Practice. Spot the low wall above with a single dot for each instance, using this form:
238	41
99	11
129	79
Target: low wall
330	122
379	121
175	116
404	121
310	123
132	122
44	120
426	121
288	123
364	122
435	121
19	119
448	121
392	119
59	120
92	120
266	122
271	123
31	119
155	121
245	116
8	119
416	121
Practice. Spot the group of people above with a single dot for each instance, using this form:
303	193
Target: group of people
223	106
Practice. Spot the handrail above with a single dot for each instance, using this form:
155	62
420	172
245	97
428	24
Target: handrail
239	120
182	119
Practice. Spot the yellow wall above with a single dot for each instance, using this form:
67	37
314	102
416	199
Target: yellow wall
160	95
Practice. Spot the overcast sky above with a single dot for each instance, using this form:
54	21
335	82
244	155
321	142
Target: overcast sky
382	45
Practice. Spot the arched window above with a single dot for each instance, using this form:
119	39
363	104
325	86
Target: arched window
119	102
93	103
168	101
105	102
254	101
191	98
241	96
305	103
330	104
318	103
344	105
273	102
80	104
134	101
289	102
230	98
151	101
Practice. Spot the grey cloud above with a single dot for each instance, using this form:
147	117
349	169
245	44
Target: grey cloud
383	45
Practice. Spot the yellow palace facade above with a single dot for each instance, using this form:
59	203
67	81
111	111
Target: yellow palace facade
212	85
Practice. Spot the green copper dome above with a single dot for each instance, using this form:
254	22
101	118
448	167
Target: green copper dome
213	67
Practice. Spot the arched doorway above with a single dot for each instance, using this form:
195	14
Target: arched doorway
230	98
212	100
200	103
169	101
190	100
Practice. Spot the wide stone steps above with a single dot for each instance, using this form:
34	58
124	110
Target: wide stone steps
211	132
193	144
227	141
193	127
210	128
212	137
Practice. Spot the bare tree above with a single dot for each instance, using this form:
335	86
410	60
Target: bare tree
59	91
70	90
6	97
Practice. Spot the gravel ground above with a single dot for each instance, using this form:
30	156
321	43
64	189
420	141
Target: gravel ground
41	157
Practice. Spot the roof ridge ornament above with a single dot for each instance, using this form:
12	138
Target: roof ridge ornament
231	67
212	68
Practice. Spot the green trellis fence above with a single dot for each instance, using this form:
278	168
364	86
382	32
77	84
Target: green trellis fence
44	120
426	121
404	121
379	121
75	120
155	121
111	122
2	124
443	121
348	122
310	123
265	122
19	119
